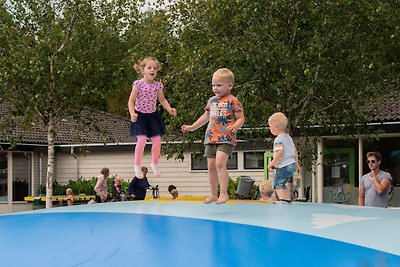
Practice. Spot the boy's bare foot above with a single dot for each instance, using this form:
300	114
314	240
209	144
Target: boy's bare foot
222	199
210	199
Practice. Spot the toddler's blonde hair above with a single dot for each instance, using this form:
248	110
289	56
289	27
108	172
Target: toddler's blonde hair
266	188
280	119
226	73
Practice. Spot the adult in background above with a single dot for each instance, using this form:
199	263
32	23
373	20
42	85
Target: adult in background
374	186
137	187
101	186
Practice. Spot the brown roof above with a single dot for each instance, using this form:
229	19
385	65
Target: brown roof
99	128
385	109
111	129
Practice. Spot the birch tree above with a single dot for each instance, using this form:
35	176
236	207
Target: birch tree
60	58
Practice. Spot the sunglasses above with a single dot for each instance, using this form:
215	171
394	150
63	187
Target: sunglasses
371	161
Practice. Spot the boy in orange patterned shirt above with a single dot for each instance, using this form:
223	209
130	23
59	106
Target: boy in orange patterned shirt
225	115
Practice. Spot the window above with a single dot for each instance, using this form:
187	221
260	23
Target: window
200	163
21	175
339	164
254	160
3	176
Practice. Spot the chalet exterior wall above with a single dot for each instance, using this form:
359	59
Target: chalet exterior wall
173	171
70	165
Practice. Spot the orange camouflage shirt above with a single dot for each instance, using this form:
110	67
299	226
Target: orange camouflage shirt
222	114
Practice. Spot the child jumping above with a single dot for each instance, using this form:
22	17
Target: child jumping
146	122
225	115
285	156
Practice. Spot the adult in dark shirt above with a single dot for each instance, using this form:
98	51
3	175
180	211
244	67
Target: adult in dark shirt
137	187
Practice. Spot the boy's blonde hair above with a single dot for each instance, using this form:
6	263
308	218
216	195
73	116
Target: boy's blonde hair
226	73
140	64
280	119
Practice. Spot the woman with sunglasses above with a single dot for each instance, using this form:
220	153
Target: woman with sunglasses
374	186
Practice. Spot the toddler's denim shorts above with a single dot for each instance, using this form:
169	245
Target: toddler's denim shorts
283	175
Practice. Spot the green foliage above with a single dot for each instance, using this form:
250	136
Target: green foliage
61	59
232	187
318	62
83	186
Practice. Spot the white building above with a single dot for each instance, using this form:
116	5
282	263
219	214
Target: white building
82	152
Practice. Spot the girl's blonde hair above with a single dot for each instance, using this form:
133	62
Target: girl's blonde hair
140	64
280	119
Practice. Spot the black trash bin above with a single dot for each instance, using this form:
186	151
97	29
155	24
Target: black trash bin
245	186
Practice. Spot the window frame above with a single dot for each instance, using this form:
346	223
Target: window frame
203	164
245	153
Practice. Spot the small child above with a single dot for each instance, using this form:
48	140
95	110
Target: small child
285	156
266	191
70	197
225	115
146	122
137	187
117	191
173	191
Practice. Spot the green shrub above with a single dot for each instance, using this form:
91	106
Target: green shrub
82	186
232	188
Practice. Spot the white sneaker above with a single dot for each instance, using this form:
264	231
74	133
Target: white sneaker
138	172
156	171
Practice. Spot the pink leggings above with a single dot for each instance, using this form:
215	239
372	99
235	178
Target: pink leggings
155	149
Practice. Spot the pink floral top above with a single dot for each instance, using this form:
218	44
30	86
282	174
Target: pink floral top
146	101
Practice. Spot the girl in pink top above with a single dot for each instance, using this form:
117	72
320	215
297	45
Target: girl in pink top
146	122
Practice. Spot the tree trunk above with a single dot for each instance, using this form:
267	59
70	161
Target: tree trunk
50	163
